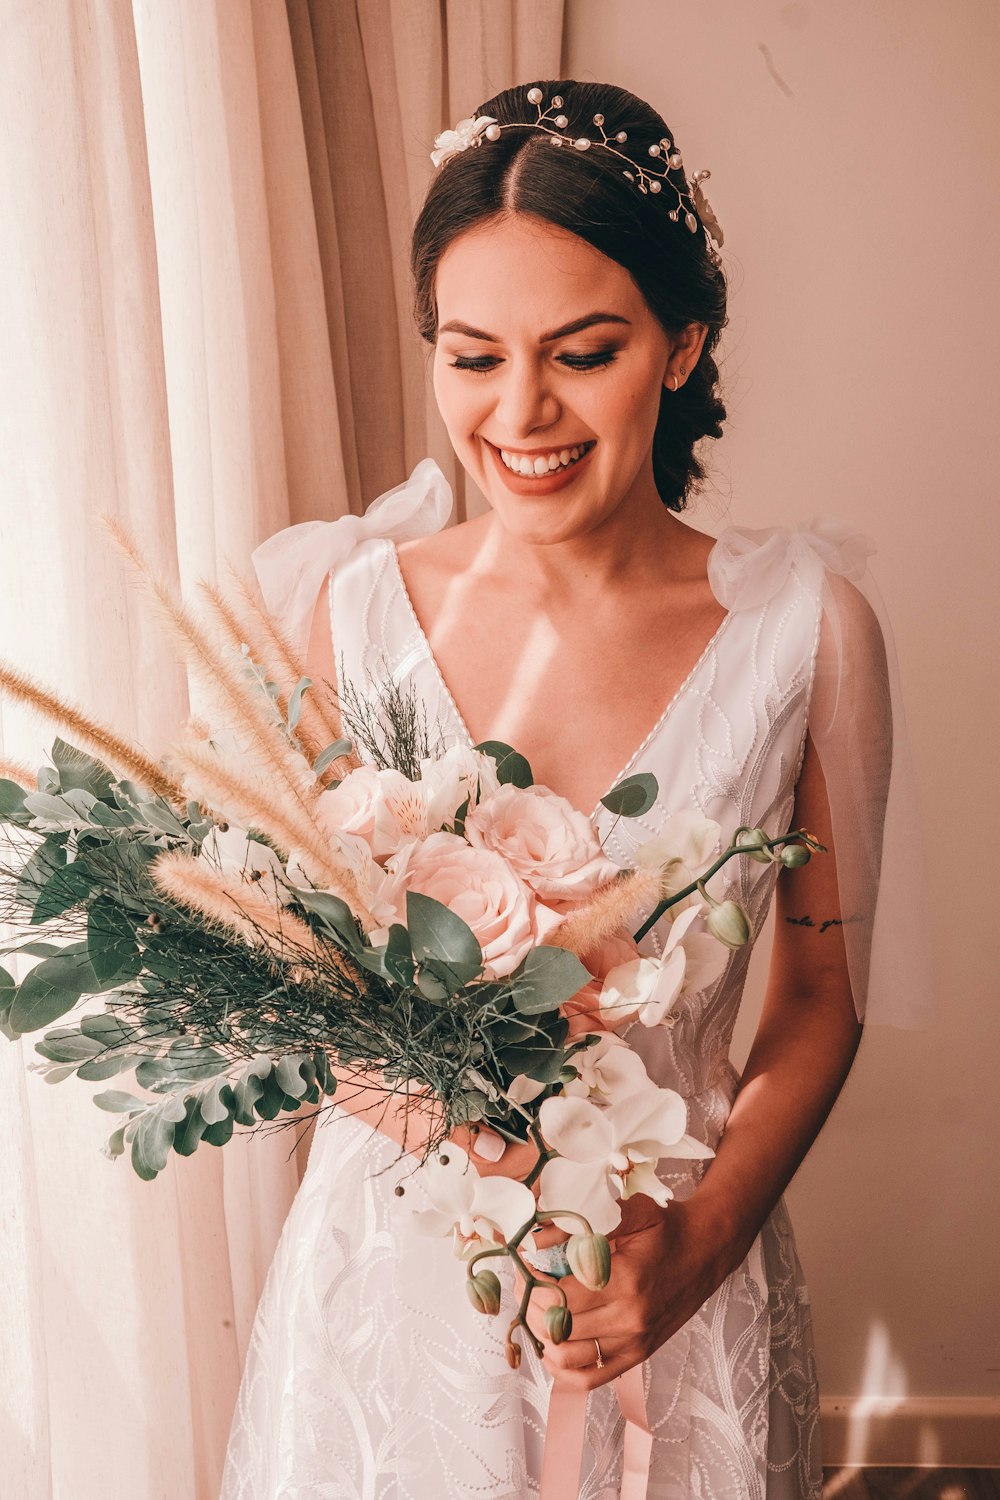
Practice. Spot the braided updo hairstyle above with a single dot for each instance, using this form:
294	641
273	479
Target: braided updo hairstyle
587	193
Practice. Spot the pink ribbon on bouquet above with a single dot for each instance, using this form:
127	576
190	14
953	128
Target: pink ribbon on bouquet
565	1434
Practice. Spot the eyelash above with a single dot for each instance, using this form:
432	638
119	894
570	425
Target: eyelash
582	363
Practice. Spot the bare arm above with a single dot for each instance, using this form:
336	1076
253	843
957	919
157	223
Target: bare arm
802	1051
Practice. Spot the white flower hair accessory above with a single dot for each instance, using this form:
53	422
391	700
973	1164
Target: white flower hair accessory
692	207
465	134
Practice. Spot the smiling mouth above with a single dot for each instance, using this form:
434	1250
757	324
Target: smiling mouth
536	466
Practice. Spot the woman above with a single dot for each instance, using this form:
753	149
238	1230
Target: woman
573	309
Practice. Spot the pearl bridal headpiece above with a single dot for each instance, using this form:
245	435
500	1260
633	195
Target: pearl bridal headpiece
692	205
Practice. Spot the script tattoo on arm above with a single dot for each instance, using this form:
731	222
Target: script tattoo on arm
828	922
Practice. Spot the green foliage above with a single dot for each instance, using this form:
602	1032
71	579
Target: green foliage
511	767
633	796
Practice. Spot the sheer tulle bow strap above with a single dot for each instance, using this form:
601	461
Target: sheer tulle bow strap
746	567
858	729
292	564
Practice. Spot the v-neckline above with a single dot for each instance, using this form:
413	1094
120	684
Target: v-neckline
459	718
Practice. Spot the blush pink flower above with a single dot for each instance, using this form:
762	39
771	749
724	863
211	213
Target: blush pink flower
550	844
479	886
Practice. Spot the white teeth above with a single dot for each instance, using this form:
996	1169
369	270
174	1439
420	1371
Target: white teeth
522	463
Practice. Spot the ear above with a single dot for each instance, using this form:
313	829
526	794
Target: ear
685	354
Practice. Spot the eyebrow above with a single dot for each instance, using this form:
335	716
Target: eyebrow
577	326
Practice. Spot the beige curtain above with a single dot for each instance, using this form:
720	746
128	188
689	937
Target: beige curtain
205	327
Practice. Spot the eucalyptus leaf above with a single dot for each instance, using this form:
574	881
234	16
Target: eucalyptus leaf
295	701
219	1133
111	817
288	1074
151	1143
51	989
399	955
8	987
12	796
78	769
438	935
116	1101
246	1091
114	1146
106	1064
330	754
633	796
216	1101
189	1131
67	1044
65	888
335	915
112	944
39	869
105	1028
511	767
546	979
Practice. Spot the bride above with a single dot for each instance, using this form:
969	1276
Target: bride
573	298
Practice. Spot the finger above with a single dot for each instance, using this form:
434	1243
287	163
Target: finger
587	1377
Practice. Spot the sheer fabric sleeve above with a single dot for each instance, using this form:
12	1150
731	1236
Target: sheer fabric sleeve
292	564
858	726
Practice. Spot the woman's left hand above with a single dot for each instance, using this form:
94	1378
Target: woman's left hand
665	1263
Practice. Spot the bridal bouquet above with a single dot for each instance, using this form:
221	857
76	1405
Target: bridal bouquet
264	916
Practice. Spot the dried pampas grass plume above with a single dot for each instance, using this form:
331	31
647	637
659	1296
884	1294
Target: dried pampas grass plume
232	903
277	758
612	909
321	718
120	755
259	804
13	770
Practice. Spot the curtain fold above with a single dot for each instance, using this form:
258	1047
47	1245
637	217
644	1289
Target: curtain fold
206	333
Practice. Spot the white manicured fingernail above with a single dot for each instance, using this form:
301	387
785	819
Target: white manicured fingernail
489	1146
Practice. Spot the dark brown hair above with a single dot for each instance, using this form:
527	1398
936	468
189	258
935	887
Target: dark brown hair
587	193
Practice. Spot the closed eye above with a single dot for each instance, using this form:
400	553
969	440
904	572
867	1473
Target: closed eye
482	364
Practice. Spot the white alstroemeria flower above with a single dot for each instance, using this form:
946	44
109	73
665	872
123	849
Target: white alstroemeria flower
469	1206
466	133
447	780
647	987
613	1150
681	851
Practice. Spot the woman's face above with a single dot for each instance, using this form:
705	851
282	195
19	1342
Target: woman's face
546	349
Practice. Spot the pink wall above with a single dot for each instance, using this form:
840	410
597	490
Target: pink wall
853	150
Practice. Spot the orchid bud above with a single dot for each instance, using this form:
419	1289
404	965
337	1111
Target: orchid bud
512	1353
794	856
484	1292
589	1257
729	924
752	842
558	1322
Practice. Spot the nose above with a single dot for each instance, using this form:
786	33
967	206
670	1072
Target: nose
524	401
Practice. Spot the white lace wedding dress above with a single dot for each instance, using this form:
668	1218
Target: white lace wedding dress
369	1376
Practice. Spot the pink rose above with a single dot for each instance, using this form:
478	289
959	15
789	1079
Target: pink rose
479	886
550	844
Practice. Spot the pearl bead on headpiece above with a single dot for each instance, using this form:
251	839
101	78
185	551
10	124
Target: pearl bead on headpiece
693	205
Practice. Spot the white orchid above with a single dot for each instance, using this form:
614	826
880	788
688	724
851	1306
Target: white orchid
610	1154
468	1206
648	988
468	132
681	851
